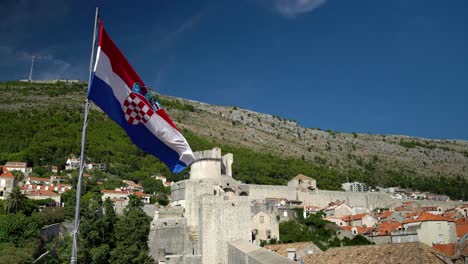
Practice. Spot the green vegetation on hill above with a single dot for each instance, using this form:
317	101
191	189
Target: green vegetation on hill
47	134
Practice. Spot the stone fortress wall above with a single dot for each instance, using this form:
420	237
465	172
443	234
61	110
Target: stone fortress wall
211	210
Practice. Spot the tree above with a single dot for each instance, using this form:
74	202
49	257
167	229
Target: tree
19	176
15	201
131	234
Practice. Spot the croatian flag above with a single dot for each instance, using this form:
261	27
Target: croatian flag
118	90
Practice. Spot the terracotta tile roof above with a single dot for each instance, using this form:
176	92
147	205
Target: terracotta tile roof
141	194
376	254
39	179
5	173
42	193
446	249
425	216
301	177
386	227
348	218
450	214
360	230
385	214
461	226
282	249
132	184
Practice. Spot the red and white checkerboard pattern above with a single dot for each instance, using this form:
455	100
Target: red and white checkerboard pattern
136	110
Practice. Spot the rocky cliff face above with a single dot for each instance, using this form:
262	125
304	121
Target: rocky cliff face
263	132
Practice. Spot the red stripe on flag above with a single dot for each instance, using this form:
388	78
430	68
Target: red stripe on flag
120	65
162	113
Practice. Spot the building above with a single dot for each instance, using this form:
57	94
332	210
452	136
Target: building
362	220
432	229
342	210
145	198
376	254
295	251
336	220
264	227
213	212
18	166
355	187
59	188
390	215
132	186
7	182
38	180
72	163
114	195
302	181
43	194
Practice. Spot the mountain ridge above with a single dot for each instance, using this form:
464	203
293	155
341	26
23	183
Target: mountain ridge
372	158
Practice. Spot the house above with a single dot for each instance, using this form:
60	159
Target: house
376	254
364	220
56	179
43	194
432	229
392	232
18	166
329	210
145	198
264	227
461	226
54	169
304	182
432	209
387	227
354	187
294	251
285	213
336	220
7	182
59	188
342	210
114	195
357	230
462	210
132	186
407	208
96	166
446	249
38	180
390	215
72	163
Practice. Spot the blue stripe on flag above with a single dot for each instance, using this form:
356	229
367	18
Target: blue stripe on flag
102	95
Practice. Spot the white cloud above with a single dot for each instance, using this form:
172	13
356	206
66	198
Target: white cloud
292	8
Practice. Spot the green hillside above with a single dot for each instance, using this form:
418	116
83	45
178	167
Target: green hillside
41	124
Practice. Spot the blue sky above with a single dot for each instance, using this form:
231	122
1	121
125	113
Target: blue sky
386	67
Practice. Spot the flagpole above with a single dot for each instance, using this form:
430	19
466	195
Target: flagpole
74	257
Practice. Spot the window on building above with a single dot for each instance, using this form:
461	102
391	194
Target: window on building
439	226
285	213
262	219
